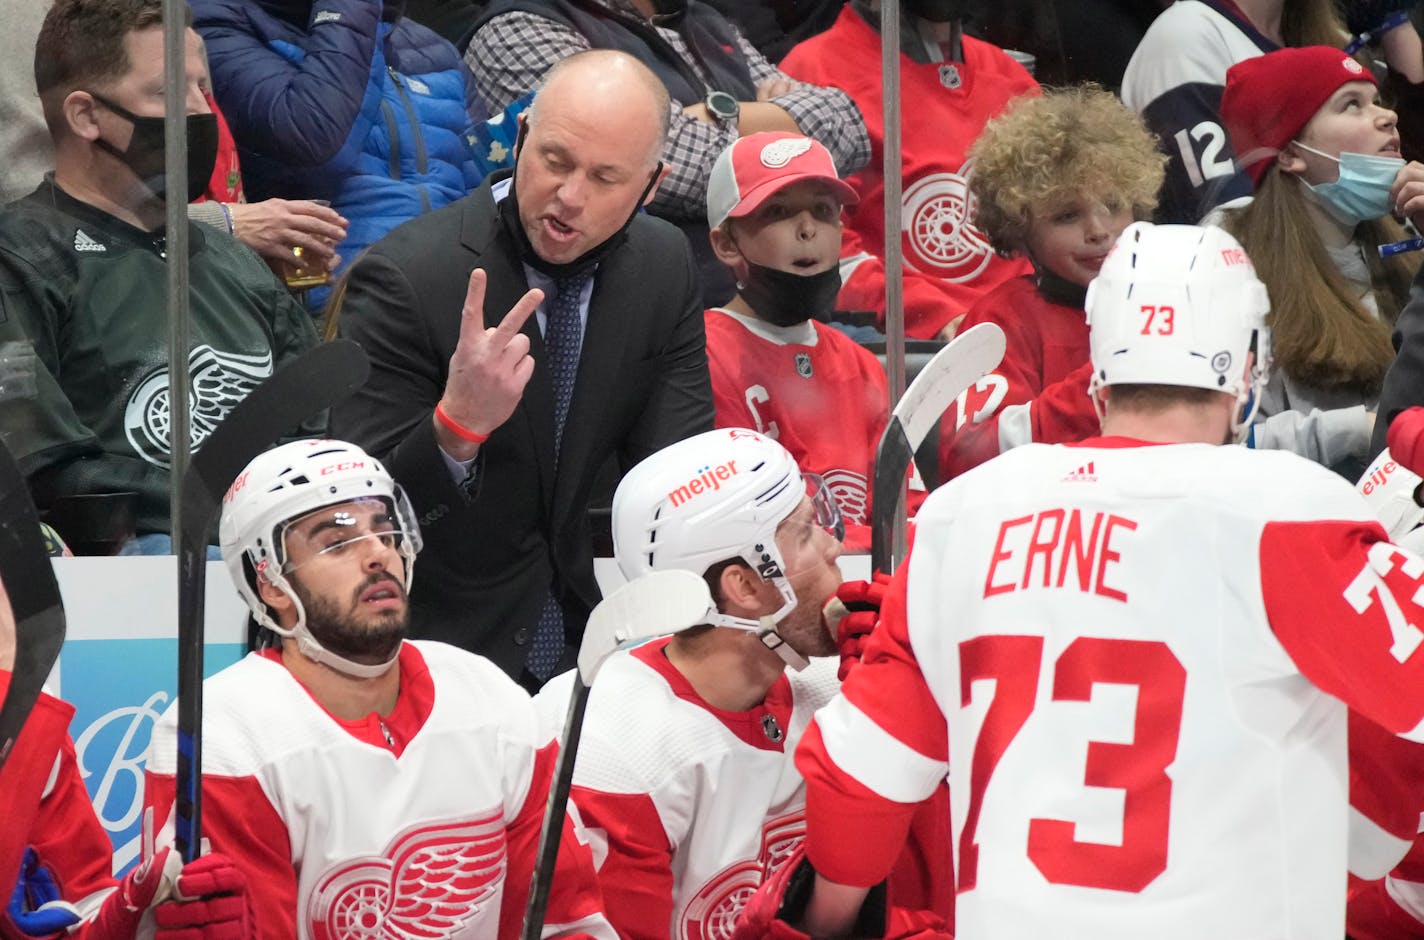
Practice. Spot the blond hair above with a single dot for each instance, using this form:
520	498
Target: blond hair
1321	333
1069	143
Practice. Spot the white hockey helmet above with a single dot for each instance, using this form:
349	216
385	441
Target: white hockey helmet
716	496
1388	488
284	484
1179	305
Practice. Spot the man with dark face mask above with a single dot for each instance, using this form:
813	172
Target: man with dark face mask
774	204
82	272
951	85
497	406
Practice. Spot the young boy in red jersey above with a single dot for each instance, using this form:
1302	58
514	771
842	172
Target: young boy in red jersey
1057	179
774	206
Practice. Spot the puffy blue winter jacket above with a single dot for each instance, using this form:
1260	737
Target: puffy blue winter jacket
348	106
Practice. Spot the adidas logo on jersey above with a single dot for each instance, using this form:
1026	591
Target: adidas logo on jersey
1087	473
82	242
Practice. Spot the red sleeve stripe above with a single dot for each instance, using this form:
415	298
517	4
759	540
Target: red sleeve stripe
873	757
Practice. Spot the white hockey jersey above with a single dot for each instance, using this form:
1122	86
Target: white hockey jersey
421	824
688	807
1131	659
1174	80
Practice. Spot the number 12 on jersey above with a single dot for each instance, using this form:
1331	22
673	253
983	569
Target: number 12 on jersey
1139	769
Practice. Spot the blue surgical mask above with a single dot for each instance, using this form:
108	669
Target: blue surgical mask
1362	191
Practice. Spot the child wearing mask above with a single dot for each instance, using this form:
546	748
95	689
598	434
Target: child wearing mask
774	207
1323	155
1057	179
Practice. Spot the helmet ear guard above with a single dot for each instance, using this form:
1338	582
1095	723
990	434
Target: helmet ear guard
1180	305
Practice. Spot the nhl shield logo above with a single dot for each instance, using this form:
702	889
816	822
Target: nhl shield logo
803	365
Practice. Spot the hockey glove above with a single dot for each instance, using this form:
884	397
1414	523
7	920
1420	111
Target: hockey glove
1406	439
35	908
211	903
782	898
145	886
852	615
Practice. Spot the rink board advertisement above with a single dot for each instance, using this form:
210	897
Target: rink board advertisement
119	669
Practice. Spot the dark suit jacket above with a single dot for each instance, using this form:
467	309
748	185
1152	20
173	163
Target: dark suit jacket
493	548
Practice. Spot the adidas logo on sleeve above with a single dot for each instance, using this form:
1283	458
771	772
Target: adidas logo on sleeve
82	242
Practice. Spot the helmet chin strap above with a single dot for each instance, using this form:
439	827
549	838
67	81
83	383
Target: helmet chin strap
313	650
765	626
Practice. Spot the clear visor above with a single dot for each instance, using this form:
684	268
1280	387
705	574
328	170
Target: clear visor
826	511
338	531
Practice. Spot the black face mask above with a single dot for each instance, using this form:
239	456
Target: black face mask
667	12
938	11
144	155
785	299
509	219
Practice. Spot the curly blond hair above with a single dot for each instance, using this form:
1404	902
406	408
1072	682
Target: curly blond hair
1070	142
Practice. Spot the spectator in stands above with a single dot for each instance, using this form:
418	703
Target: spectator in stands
721	88
774	204
344	101
777	26
1176	75
498	423
950	85
1304	122
1057	178
82	272
271	227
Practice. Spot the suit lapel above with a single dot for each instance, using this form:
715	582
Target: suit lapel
505	285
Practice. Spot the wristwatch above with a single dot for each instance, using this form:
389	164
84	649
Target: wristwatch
722	106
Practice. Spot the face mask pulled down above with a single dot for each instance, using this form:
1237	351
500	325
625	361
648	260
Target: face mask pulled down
144	154
783	298
1362	191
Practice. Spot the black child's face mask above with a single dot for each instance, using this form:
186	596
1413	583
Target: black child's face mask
783	298
144	154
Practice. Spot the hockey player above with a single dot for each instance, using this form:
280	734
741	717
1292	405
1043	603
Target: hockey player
367	785
950	85
774	206
1057	179
684	770
57	857
1132	656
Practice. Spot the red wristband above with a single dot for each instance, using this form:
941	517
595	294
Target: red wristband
457	429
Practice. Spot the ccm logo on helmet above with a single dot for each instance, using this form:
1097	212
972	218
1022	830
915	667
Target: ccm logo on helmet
707	480
343	465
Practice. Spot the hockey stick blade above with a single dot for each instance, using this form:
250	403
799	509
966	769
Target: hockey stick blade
655	604
965	360
34	599
301	389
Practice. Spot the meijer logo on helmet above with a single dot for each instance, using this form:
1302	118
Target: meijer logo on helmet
707	480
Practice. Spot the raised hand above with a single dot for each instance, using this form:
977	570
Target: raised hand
488	371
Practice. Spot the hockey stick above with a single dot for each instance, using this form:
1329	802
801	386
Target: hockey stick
655	604
34	598
965	360
301	389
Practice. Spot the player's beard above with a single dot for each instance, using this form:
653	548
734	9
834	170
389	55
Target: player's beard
360	636
806	632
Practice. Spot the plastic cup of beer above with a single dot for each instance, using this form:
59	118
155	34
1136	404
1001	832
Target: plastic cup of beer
299	276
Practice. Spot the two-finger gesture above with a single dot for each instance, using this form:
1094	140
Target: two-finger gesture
488	371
